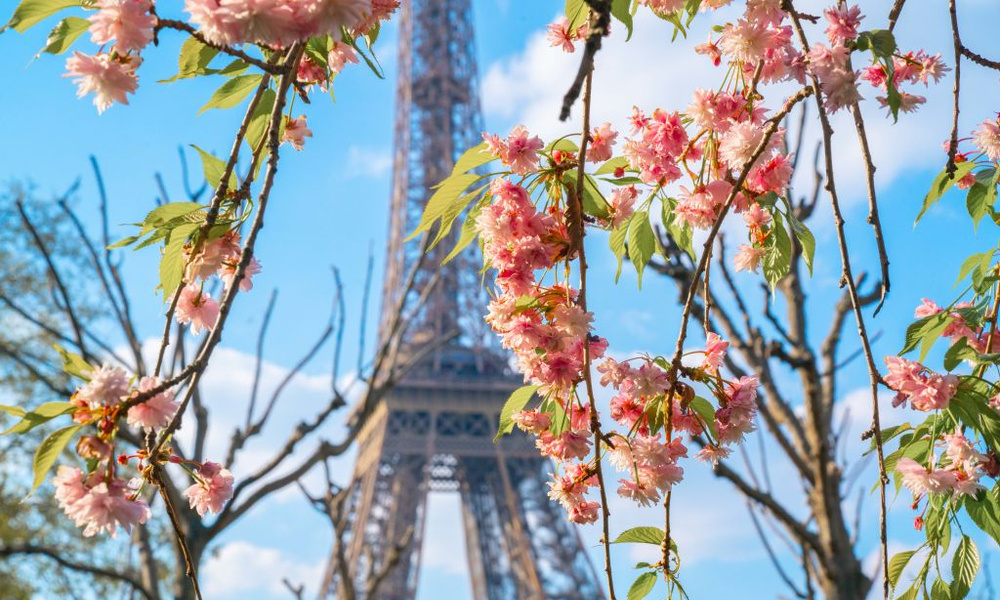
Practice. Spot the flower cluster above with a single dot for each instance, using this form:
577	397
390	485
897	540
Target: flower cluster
99	499
956	471
111	76
913	382
217	257
123	29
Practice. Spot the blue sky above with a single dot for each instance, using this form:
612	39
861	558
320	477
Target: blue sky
329	208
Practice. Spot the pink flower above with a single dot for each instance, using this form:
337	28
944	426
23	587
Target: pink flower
213	489
601	140
155	412
715	353
621	205
713	454
920	481
560	35
571	445
748	258
771	176
701	207
296	132
211	257
584	512
843	23
531	421
839	84
738	145
711	50
340	55
907	102
197	308
520	152
924	389
746	41
228	272
987	139
107	386
128	22
642	494
98	506
220	21
663	7
756	216
926	309
109	80
310	71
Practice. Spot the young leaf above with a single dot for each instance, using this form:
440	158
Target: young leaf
64	34
30	12
617	243
172	263
941	184
896	565
881	42
257	127
73	364
612	165
984	514
641	242
964	567
979	201
621	10
468	232
518	399
977	262
777	259
16	411
441	204
577	12
925	332
193	60
214	167
806	240
707	413
641	535
232	92
43	414
642	586
49	451
475	156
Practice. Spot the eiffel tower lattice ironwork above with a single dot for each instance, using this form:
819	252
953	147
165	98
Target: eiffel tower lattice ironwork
434	430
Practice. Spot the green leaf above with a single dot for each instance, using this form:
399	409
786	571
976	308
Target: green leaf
468	231
593	201
805	238
612	165
983	513
979	201
941	184
976	264
16	411
73	364
518	399
161	215
617	242
577	12
641	242
64	34
940	591
475	156
257	127
41	415
620	9
896	565
777	258
442	203
706	411
172	263
49	451
641	535
642	586
193	60
964	567
925	332
232	92
214	168
881	42
30	12
958	352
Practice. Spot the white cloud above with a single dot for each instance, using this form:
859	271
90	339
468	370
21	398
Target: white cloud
240	568
368	162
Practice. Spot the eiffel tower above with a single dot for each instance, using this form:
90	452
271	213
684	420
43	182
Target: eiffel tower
434	430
